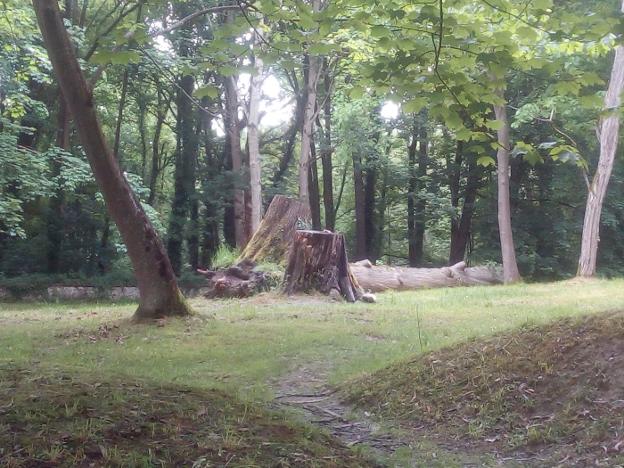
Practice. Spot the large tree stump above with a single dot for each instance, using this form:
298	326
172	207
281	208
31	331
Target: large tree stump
380	278
275	234
318	261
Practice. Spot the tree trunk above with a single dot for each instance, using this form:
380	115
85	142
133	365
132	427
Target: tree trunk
461	231
377	279
156	280
318	261
360	208
233	135
510	267
276	232
184	176
307	129
609	136
326	155
313	186
161	115
253	140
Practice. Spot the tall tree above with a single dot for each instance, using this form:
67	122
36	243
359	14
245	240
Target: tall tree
609	137
510	266
312	74
253	139
156	280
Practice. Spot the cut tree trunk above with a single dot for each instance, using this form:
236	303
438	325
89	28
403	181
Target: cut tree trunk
379	278
609	135
318	261
157	284
276	232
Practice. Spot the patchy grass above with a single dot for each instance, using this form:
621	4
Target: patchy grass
58	419
244	347
552	393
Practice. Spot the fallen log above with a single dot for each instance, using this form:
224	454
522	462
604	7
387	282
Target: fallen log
318	261
272	241
380	278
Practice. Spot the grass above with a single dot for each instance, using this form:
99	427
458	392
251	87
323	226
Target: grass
552	392
244	347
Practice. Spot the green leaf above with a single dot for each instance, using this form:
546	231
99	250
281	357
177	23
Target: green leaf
414	105
486	161
207	91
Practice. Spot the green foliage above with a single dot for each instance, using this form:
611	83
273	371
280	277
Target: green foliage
224	257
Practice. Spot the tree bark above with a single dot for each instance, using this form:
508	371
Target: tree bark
276	232
381	278
253	140
236	153
326	154
360	208
307	129
318	261
461	228
313	187
159	293
510	266
609	137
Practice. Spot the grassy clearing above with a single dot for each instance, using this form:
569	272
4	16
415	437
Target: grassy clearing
244	347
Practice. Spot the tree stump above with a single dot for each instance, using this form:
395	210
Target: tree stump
318	261
276	231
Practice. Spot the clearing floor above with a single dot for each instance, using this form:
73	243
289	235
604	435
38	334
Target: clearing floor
278	359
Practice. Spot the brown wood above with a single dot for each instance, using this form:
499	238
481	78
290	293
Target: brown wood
272	240
241	280
318	262
157	284
381	278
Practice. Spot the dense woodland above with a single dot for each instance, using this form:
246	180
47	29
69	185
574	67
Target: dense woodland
390	118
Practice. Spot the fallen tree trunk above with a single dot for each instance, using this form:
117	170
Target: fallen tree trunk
380	278
318	261
272	241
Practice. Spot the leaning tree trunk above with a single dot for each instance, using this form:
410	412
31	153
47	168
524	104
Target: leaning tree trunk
157	284
510	266
609	134
318	261
276	232
380	278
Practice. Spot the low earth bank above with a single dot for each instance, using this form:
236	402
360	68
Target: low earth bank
543	395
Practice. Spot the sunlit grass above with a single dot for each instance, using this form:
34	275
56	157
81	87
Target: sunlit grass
244	346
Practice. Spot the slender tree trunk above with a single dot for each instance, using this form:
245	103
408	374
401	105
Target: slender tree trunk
421	202
510	266
326	155
156	280
253	142
236	153
460	235
609	137
290	138
184	176
161	115
414	254
360	208
307	129
370	190
313	186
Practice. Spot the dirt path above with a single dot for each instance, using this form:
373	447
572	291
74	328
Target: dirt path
305	390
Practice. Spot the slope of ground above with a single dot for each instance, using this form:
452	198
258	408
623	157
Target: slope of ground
551	395
55	420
